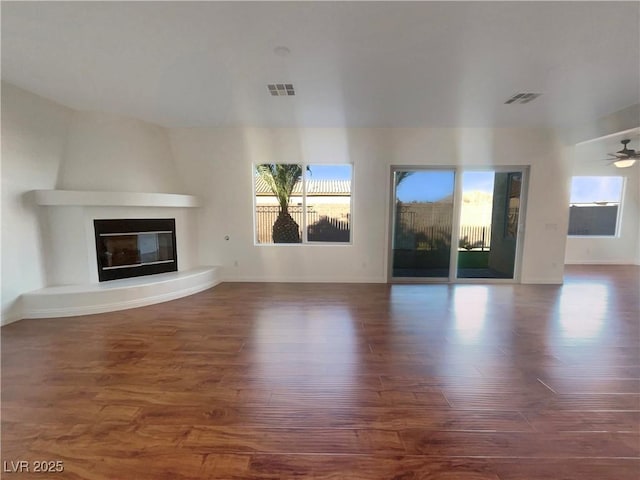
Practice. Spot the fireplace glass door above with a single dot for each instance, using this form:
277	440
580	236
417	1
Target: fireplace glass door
134	247
137	249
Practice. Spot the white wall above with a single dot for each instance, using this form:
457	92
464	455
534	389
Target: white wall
217	165
615	122
34	132
47	146
638	242
622	249
71	251
108	152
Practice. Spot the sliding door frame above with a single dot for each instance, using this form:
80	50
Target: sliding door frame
457	208
392	218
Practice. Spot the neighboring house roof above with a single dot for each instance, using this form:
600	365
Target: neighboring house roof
318	188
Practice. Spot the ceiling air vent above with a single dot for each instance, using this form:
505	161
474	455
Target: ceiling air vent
281	89
522	98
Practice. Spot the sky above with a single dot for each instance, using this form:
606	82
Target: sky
330	172
596	189
421	186
433	185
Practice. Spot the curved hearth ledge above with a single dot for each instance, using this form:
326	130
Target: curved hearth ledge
73	300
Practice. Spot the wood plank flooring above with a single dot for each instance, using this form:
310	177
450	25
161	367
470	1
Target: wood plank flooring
326	381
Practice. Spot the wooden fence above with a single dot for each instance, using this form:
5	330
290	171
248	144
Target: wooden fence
321	228
415	230
411	234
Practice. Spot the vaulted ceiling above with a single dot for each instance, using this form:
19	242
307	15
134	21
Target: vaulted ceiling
351	63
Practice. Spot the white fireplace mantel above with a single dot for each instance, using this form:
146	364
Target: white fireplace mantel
64	198
69	247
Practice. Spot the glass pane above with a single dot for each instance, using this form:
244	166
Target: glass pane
328	191
120	250
155	247
278	201
595	190
135	249
489	216
595	203
423	223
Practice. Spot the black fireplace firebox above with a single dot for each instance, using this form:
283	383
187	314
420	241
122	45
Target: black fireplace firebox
135	247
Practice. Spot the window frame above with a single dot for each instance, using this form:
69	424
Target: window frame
618	224
304	240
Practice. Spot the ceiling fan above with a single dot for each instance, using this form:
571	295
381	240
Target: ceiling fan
625	157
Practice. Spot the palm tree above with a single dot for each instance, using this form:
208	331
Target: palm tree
401	176
281	179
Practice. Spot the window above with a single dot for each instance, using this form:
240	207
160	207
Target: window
296	203
595	206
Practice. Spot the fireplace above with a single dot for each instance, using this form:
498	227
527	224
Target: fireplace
135	247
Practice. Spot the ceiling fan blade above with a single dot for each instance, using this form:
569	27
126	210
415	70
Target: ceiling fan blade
626	151
614	161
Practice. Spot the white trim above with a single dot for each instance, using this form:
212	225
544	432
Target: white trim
456	221
392	220
72	300
303	195
458	172
601	262
630	131
620	205
525	171
592	237
291	279
64	198
541	281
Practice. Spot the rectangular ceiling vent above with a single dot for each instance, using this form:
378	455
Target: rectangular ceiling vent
522	98
281	89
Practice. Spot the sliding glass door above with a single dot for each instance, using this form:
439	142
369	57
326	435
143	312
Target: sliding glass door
489	216
422	223
477	211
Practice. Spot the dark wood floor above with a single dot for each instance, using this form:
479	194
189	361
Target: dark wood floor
278	381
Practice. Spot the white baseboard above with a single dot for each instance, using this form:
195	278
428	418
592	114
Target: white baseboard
7	319
541	281
600	262
287	279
